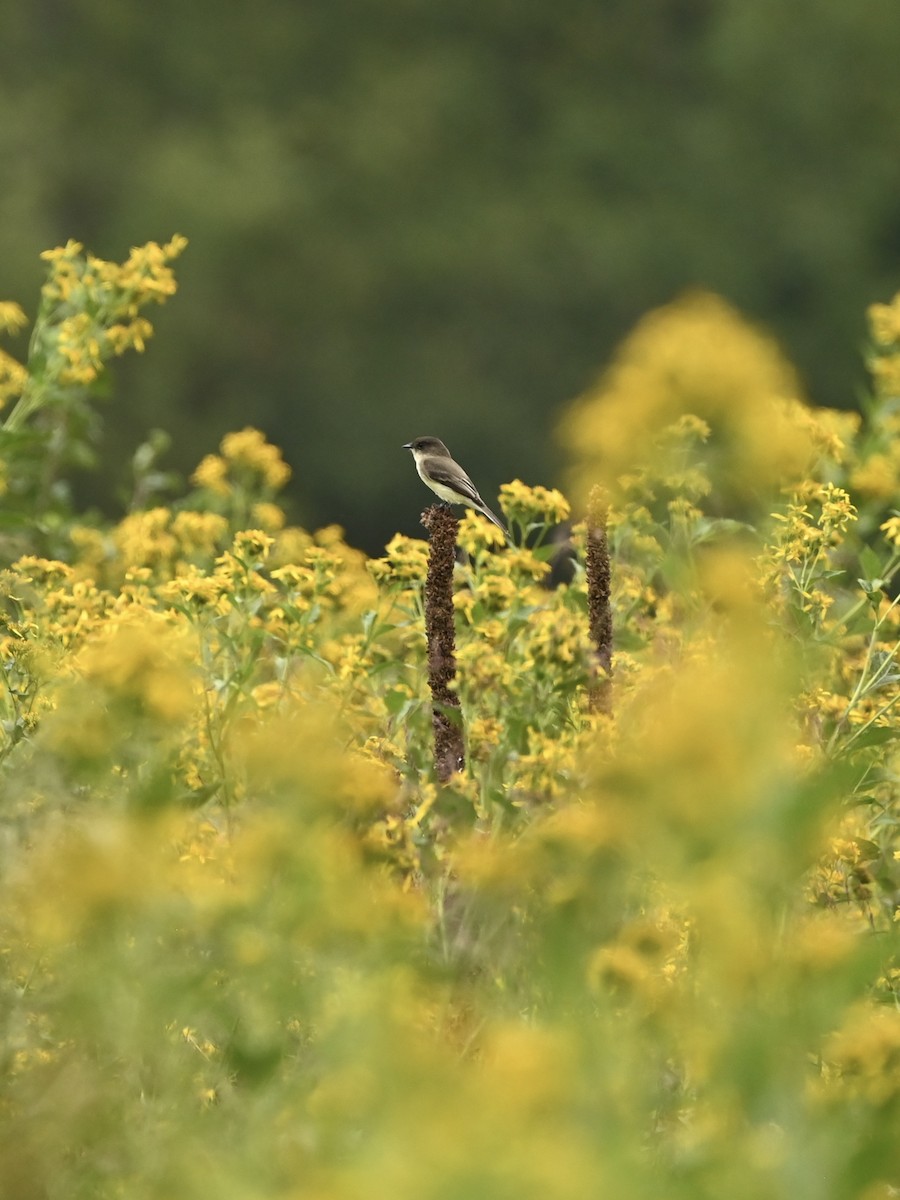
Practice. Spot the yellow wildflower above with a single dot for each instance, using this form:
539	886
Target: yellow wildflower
13	377
495	590
484	736
886	374
193	587
405	560
696	357
41	570
866	1052
126	337
249	449
477	533
831	430
252	545
212	473
62	253
12	318
485	669
79	346
557	636
91	545
884	321
877	476
145	273
268	516
522	562
198	532
145	538
533	505
142	658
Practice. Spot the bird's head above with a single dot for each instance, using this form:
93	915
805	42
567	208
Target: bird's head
430	446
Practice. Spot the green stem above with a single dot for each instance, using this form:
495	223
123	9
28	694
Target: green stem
28	402
889	571
857	733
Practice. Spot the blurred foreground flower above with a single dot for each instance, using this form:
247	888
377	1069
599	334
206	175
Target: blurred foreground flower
694	359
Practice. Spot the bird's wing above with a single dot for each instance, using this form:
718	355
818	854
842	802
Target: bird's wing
457	480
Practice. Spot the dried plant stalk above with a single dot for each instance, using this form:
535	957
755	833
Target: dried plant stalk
599	610
440	631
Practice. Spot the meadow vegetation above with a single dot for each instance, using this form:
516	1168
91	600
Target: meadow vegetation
249	946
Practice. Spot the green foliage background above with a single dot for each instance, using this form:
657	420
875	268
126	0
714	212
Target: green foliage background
411	217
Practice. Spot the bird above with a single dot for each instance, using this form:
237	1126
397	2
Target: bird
445	477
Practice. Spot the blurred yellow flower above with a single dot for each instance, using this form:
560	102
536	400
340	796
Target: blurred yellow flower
884	321
146	538
695	359
248	448
12	318
866	1053
268	516
143	658
212	473
13	377
878	475
127	337
198	532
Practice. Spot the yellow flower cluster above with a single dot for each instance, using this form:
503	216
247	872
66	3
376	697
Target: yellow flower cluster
161	539
694	359
212	474
405	561
141	657
247	465
99	303
525	505
12	318
12	377
891	530
12	373
89	313
865	1054
250	449
114	288
884	322
808	533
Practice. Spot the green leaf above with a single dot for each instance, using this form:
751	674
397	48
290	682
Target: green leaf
872	587
451	712
378	668
709	528
868	802
395	699
868	850
870	563
875	735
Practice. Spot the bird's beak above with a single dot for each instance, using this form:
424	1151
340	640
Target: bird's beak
406	446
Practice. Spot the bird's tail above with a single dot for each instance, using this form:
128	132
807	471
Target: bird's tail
485	511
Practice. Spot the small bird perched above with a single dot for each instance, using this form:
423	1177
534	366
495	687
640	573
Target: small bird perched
446	478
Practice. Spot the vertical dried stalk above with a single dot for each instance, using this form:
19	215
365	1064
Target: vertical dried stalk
599	611
440	631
